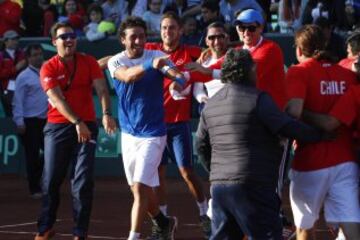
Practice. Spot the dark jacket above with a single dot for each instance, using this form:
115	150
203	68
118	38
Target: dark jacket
238	131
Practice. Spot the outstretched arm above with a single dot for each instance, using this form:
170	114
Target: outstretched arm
103	62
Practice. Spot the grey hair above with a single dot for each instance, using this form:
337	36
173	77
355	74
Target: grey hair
237	66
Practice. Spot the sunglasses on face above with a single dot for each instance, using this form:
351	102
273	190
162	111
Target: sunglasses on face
213	37
66	36
243	28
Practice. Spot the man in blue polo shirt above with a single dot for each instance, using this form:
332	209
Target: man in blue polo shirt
138	80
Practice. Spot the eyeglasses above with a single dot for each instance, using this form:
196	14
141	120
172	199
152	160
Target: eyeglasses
213	37
243	28
66	36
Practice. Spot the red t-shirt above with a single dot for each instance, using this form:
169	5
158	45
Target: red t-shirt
320	84
347	108
270	71
79	95
177	110
347	62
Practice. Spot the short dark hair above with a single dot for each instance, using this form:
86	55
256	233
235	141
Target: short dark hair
216	25
172	15
57	26
354	42
33	46
212	5
131	22
237	67
94	7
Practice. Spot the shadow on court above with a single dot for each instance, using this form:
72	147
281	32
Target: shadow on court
111	211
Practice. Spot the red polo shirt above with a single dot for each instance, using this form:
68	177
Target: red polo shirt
79	95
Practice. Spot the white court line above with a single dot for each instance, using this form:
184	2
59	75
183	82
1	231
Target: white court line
66	235
27	224
18	225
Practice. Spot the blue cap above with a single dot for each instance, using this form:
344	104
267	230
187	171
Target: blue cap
249	16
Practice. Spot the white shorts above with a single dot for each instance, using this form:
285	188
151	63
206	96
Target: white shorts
337	188
141	158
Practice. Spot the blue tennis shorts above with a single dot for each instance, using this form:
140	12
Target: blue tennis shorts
179	144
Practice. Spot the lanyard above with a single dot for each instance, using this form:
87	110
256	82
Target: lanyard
72	74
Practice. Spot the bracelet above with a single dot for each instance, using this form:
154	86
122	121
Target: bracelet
77	121
148	64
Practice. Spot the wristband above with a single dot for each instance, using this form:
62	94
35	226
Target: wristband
148	64
180	81
165	69
170	64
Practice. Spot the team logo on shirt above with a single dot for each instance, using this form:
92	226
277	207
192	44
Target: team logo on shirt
116	64
332	87
179	62
47	79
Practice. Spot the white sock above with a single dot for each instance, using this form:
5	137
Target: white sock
134	236
203	207
163	209
209	211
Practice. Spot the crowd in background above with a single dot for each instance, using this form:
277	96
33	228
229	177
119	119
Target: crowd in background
97	19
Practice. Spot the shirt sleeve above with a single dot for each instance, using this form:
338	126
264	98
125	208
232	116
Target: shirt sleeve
114	63
17	102
48	79
270	114
295	81
345	109
199	91
280	123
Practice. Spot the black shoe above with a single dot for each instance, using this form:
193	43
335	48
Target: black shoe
205	224
155	231
168	233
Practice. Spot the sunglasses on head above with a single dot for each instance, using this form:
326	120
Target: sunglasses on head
218	36
66	36
243	28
